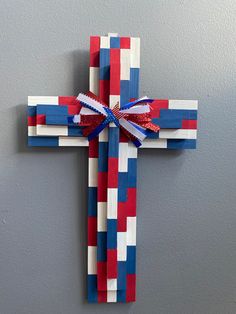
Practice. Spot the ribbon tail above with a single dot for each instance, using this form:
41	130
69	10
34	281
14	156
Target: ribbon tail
137	143
134	129
98	129
144	99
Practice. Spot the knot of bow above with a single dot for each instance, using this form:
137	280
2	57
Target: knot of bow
134	118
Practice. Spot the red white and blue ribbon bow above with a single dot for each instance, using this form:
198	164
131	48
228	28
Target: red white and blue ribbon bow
134	118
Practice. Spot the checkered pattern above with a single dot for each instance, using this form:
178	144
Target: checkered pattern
114	77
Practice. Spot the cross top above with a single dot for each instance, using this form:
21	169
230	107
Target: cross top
67	121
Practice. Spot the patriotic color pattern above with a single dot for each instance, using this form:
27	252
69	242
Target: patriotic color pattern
114	77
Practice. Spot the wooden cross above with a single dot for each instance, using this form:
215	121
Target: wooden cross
114	77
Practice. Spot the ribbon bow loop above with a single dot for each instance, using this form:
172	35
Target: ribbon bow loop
134	118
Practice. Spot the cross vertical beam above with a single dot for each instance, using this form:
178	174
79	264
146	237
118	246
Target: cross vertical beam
116	176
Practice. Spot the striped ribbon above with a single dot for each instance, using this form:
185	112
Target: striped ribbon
133	118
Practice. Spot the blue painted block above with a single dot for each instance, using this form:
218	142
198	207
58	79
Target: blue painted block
75	131
122	186
52	109
113	135
92	201
151	134
124	92
59	119
31	110
134	82
111	233
46	141
181	144
132	172
103	157
70	120
168	123
102	246
131	257
92	289
121	278
104	70
121	296
178	114
115	42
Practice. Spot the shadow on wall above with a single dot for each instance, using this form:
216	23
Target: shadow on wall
80	60
79	83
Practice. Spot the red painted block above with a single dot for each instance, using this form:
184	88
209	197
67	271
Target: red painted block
102	186
131	202
66	100
94	51
102	296
111	263
102	275
93	148
32	121
189	124
41	119
156	105
123	137
125	42
104	87
112	172
74	109
71	102
92	231
114	71
131	288
121	217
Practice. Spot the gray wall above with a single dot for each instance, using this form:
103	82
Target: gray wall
186	261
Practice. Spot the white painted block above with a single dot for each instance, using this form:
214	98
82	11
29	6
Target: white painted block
113	100
183	104
123	157
104	42
93	172
73	141
112	34
125	64
52	130
133	151
92	260
112	125
32	131
131	230
103	136
112	200
135	52
121	246
154	143
178	134
102	216
94	80
111	284
42	100
111	296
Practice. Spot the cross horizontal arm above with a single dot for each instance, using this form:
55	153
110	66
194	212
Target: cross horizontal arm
49	123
